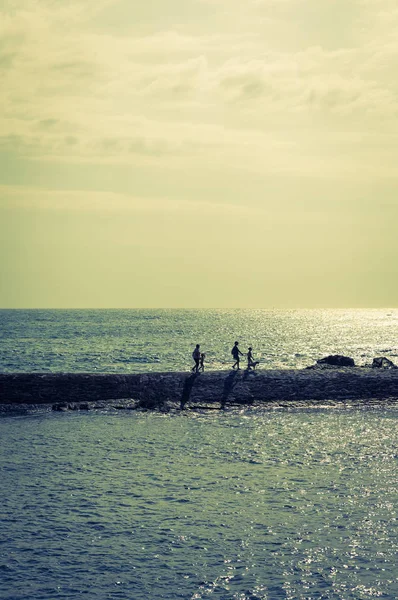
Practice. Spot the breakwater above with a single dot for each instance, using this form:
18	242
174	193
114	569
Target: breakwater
215	389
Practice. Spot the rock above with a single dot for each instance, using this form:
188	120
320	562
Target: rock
336	360
382	362
60	407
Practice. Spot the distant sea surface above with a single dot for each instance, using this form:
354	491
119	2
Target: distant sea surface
131	341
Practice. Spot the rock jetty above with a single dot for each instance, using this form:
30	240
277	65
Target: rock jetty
212	389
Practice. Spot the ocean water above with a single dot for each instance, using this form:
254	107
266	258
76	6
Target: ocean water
128	341
240	505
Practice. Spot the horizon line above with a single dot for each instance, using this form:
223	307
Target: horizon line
200	308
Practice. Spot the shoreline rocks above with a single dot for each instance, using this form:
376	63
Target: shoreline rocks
382	362
336	360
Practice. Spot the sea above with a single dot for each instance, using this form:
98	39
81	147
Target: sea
132	341
248	503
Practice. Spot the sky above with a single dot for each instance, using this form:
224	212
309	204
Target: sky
198	153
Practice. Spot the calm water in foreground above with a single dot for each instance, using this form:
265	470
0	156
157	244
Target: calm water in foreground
249	504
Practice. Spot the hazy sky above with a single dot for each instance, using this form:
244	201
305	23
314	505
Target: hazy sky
198	153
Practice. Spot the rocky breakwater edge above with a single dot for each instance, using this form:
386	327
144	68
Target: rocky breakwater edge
333	380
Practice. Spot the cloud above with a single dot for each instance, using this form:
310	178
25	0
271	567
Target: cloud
42	199
76	92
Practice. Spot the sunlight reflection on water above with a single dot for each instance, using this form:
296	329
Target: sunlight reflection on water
127	341
246	504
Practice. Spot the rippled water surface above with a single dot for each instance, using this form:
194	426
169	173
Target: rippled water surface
251	504
127	341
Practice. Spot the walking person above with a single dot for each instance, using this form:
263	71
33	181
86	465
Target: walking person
251	363
201	362
196	358
236	353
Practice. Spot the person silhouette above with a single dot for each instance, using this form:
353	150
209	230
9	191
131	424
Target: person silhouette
236	353
251	363
201	362
196	358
